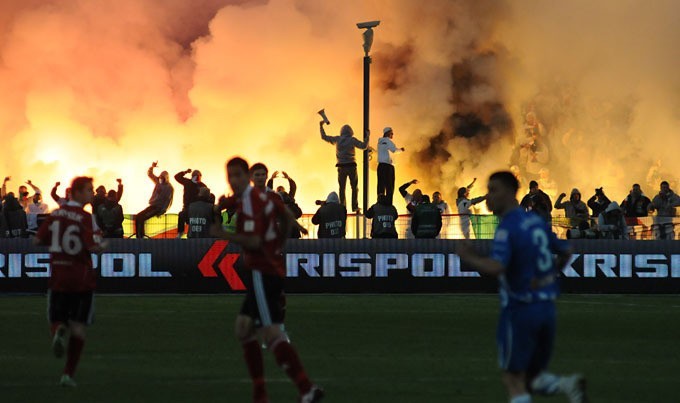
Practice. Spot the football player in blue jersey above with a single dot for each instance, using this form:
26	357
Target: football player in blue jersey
523	259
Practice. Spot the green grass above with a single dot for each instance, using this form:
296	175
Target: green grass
363	348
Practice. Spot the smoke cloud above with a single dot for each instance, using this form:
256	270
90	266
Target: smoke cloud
105	88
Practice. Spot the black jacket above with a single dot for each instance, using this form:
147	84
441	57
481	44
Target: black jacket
201	215
331	219
426	221
383	217
539	203
109	217
190	189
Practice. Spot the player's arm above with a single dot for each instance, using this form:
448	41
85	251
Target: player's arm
561	248
483	264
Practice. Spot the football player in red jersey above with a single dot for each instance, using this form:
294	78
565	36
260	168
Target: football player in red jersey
72	235
261	227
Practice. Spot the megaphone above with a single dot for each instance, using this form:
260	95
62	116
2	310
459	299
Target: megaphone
322	112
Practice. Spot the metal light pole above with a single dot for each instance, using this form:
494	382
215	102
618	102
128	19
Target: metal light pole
368	42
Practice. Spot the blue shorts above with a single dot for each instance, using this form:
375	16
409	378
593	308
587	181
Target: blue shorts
525	337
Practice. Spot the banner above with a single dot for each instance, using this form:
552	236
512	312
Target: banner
341	266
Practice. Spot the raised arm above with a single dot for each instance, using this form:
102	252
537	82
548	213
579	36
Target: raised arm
292	186
558	203
54	194
472	183
150	173
119	193
324	136
36	189
402	188
3	190
478	199
179	177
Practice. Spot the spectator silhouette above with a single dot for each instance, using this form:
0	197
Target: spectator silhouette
160	201
109	216
383	215
331	218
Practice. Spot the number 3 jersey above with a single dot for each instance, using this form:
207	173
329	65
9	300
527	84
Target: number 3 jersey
70	232
525	244
257	213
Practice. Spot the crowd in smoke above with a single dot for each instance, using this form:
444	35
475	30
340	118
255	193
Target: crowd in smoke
599	217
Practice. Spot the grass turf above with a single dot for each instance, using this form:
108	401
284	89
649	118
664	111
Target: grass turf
361	348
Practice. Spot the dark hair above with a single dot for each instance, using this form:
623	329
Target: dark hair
507	178
664	183
111	194
79	183
257	166
461	192
238	162
382	199
533	184
636	185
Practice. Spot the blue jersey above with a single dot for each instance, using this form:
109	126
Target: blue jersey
525	245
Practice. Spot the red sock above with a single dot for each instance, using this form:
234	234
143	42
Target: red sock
75	347
288	359
252	353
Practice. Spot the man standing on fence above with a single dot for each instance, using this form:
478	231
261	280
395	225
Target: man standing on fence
345	144
664	204
385	164
262	228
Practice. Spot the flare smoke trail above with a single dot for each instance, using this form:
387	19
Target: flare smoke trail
104	88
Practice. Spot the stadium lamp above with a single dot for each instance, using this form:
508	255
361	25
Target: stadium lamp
368	33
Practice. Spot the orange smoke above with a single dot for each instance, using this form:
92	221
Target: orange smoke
104	88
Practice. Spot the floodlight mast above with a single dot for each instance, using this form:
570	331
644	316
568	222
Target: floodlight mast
368	43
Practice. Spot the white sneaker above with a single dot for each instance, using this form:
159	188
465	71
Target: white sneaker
67	381
59	341
314	395
574	386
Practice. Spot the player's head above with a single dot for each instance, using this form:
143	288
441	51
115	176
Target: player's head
82	190
238	175
258	174
502	196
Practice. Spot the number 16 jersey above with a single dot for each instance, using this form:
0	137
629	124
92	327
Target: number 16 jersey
70	233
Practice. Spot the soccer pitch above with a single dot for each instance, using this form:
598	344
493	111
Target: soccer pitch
361	348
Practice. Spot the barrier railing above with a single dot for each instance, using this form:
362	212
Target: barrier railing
481	226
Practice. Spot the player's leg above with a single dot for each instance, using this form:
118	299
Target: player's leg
539	380
244	329
268	290
57	316
81	315
515	385
515	345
